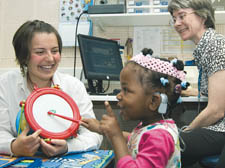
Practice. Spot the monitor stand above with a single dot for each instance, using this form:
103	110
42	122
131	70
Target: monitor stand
95	88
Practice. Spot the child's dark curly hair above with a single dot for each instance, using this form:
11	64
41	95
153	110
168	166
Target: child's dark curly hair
146	51
150	79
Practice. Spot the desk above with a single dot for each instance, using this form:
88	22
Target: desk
183	114
91	159
110	98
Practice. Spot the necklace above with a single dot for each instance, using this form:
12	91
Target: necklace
31	85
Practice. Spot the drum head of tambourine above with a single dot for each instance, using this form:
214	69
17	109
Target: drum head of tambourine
42	100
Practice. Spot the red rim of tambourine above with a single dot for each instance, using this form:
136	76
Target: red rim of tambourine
71	131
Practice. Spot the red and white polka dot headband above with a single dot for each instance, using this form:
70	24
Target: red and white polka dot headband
158	65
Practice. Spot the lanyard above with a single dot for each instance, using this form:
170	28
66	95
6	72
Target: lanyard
199	82
199	88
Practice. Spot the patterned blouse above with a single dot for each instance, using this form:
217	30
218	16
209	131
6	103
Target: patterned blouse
210	57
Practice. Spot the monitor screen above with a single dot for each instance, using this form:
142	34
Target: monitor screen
101	58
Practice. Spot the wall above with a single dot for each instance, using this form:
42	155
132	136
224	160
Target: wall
127	32
15	12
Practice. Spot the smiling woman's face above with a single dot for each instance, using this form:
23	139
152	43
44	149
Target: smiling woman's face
44	58
188	25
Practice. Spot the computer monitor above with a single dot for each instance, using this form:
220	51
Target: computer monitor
101	60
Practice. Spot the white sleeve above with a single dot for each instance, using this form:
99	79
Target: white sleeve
6	134
85	139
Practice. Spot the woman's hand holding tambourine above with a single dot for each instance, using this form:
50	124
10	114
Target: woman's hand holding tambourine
26	145
56	147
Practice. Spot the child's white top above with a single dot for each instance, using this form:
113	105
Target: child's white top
155	145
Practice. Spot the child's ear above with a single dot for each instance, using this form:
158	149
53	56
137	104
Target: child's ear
154	102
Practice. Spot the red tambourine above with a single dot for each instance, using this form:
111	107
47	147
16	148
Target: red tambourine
53	111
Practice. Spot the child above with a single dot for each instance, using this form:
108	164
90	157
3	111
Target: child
149	88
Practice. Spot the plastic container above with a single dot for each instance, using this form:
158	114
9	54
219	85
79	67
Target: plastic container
138	2
138	10
147	6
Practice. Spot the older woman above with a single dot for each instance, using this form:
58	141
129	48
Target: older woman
38	49
194	20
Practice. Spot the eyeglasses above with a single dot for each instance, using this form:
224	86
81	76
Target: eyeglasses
180	17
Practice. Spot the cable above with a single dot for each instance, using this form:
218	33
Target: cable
199	89
75	45
178	133
105	90
81	74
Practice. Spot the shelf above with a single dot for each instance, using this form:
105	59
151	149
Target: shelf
148	6
141	19
131	19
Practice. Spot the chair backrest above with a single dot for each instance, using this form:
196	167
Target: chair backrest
210	161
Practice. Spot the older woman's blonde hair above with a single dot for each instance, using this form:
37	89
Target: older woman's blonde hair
202	8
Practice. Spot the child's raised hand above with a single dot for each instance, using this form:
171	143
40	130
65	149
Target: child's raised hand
92	124
109	124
